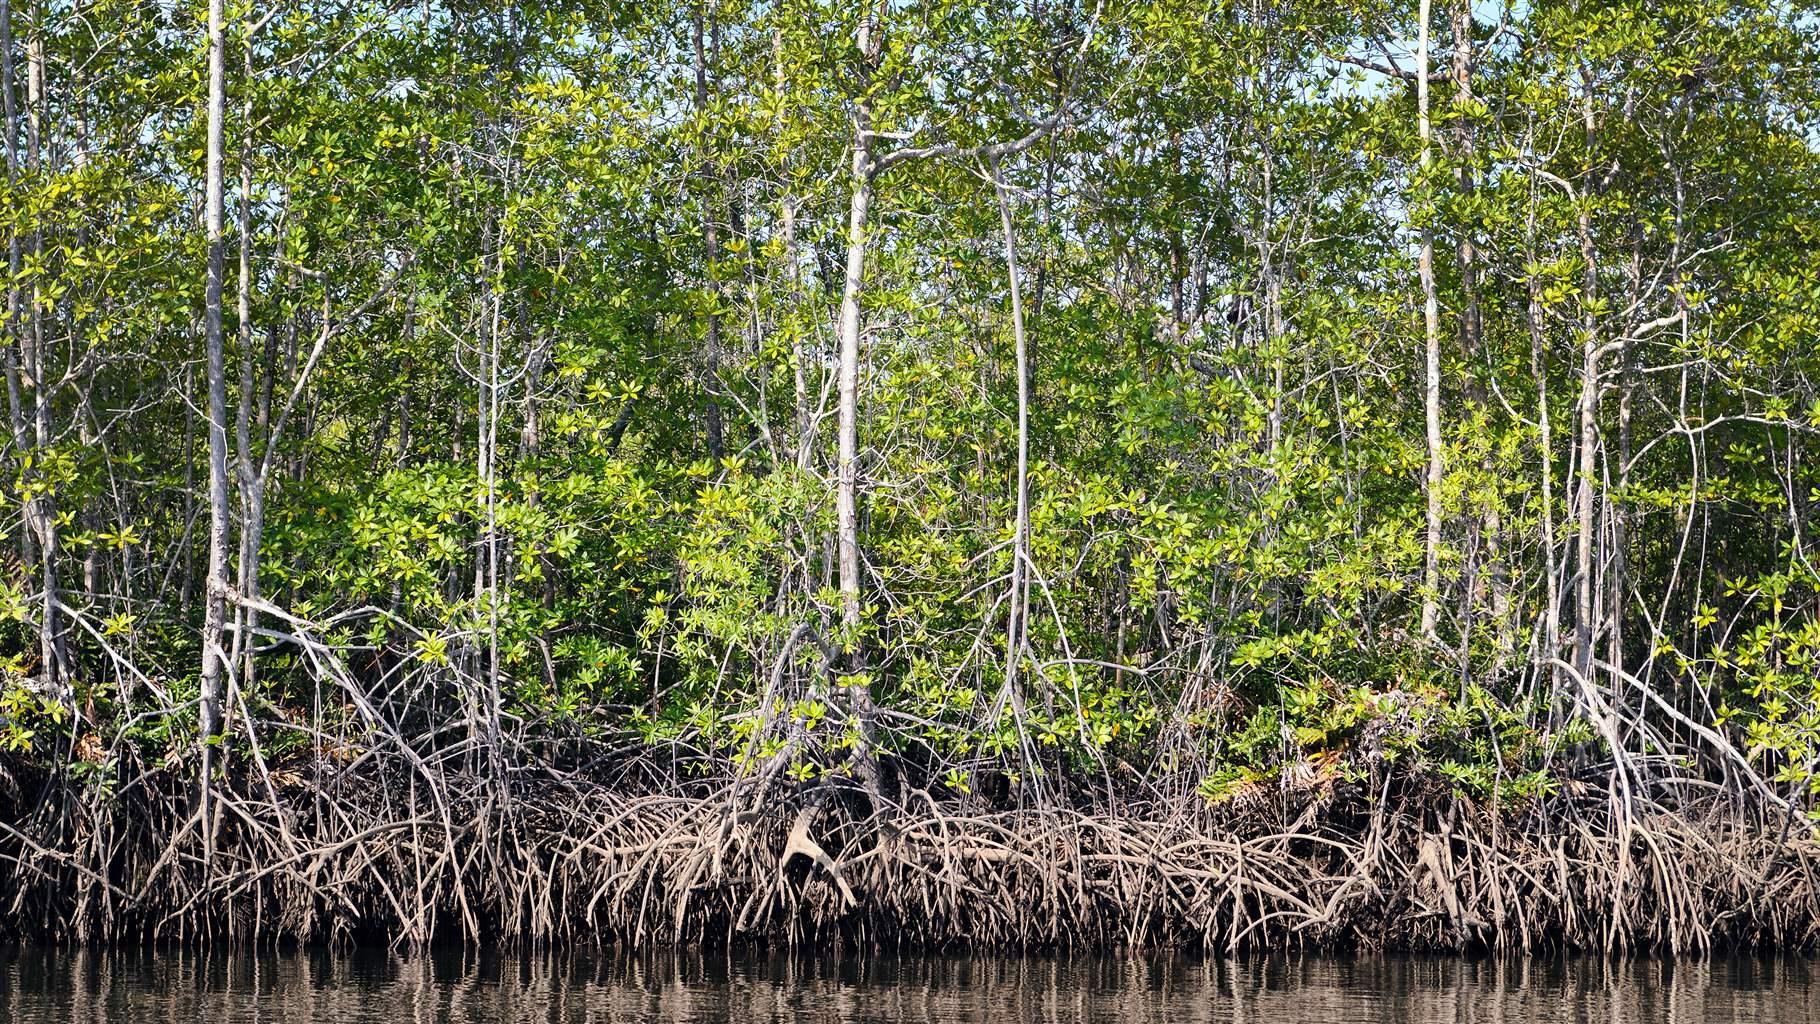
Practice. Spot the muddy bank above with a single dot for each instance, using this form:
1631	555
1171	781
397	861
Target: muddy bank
392	858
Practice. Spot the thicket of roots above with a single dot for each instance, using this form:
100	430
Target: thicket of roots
402	855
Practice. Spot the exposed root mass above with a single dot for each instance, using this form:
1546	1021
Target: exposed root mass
383	858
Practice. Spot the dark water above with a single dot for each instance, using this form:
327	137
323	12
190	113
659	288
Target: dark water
116	988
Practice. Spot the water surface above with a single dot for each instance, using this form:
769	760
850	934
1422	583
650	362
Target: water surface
45	985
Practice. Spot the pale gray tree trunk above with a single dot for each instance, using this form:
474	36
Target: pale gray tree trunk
41	511
1586	581
1019	602
1431	337
710	229
846	497
10	346
250	478
214	657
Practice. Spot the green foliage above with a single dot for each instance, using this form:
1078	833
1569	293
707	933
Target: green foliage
505	264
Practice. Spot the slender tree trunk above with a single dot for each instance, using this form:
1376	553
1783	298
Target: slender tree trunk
1016	618
846	499
1466	144
802	439
787	210
1585	570
486	567
1495	573
530	438
1620	567
11	343
1586	581
1538	362
215	602
42	510
86	434
710	229
250	478
490	425
186	586
799	356
1431	336
1271	335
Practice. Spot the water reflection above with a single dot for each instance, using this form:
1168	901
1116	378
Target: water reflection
40	985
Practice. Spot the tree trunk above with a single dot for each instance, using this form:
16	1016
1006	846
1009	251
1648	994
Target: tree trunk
1431	335
846	499
710	230
486	559
1538	363
42	510
86	427
1494	572
1586	581
10	345
215	602
787	209
251	480
1466	144
1019	602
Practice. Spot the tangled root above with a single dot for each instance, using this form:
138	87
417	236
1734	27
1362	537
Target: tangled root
394	858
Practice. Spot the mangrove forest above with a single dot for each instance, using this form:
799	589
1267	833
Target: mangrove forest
1050	474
